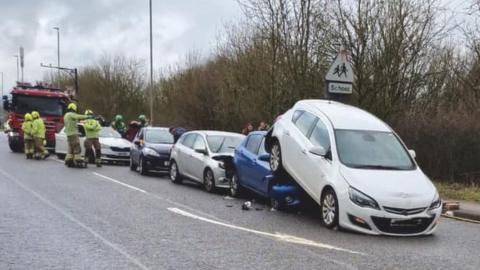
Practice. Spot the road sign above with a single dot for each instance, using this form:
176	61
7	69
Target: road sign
339	78
21	57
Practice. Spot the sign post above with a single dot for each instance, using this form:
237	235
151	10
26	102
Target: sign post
339	78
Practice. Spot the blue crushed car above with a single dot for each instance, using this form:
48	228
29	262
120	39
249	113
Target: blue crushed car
252	172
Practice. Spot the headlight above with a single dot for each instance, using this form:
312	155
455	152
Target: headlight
436	203
151	152
362	199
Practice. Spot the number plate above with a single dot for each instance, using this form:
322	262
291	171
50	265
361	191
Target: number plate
123	154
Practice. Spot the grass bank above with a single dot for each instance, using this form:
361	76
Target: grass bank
455	191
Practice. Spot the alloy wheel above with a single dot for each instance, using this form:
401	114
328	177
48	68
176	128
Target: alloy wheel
275	157
208	181
329	209
173	172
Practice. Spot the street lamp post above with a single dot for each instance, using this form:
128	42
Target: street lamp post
151	65
2	82
17	67
58	51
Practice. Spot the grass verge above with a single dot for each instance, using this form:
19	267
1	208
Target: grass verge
455	191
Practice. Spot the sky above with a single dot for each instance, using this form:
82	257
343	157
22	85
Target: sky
92	29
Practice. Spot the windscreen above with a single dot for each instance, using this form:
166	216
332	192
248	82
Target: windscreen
43	105
223	144
108	132
158	136
372	150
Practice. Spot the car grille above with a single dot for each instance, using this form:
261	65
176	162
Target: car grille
404	212
408	226
120	149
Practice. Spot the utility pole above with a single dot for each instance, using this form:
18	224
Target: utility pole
17	67
22	61
58	52
151	66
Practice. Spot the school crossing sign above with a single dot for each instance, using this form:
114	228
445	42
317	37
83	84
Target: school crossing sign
339	79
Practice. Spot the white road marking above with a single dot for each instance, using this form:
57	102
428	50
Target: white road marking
118	182
76	221
278	236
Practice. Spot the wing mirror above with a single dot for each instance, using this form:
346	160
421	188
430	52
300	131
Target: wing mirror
412	153
318	151
264	157
202	151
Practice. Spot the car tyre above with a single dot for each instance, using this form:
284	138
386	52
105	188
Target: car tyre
209	180
133	167
329	208
275	204
275	161
142	167
175	176
235	188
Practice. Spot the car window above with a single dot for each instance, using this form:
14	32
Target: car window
253	143
158	136
296	115
189	139
305	122
223	144
109	132
261	149
320	136
199	143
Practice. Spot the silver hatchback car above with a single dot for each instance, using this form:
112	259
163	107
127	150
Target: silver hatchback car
203	156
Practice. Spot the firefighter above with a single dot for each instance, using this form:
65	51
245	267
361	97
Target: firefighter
74	151
27	136
92	130
38	133
142	120
119	125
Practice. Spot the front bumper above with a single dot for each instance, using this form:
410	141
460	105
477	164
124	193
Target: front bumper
221	180
113	156
287	195
161	163
381	222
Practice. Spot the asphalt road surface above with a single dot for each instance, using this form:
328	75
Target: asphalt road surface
52	217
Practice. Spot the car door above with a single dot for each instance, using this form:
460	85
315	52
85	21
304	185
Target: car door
314	168
61	142
262	169
251	174
184	153
198	160
298	145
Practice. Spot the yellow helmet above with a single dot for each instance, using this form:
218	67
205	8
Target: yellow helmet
72	107
88	112
35	115
28	117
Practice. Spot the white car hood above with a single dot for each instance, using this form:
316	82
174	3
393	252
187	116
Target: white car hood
116	142
399	189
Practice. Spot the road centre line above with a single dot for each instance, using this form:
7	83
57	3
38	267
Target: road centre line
278	236
74	220
118	182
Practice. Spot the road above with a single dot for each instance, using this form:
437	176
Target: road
52	217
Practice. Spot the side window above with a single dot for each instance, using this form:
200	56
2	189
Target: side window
253	143
304	122
199	143
261	150
189	139
296	115
320	136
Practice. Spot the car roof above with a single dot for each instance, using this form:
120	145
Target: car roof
217	133
156	128
257	133
343	116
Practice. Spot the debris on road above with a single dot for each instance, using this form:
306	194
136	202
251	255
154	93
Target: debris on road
247	205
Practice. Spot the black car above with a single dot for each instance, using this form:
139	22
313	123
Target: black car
151	150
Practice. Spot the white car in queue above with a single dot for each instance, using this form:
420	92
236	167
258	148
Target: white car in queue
204	157
355	167
114	148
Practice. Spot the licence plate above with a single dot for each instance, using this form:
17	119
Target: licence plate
122	154
166	163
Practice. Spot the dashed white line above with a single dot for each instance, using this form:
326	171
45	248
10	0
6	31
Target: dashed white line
76	221
118	182
278	236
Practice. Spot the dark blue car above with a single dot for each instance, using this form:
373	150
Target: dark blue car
252	172
151	150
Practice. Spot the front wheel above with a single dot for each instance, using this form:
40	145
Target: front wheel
142	167
209	180
175	176
329	208
276	159
275	204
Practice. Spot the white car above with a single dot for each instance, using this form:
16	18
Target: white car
114	148
203	156
355	167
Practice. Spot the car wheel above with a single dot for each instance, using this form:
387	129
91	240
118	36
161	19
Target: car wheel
142	168
133	167
235	187
276	159
175	175
275	204
209	180
329	206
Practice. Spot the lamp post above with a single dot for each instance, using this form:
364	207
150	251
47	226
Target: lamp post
17	66
58	51
151	65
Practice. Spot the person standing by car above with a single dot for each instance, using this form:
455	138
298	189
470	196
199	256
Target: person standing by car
38	133
70	120
247	129
119	125
92	130
27	136
263	126
177	132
